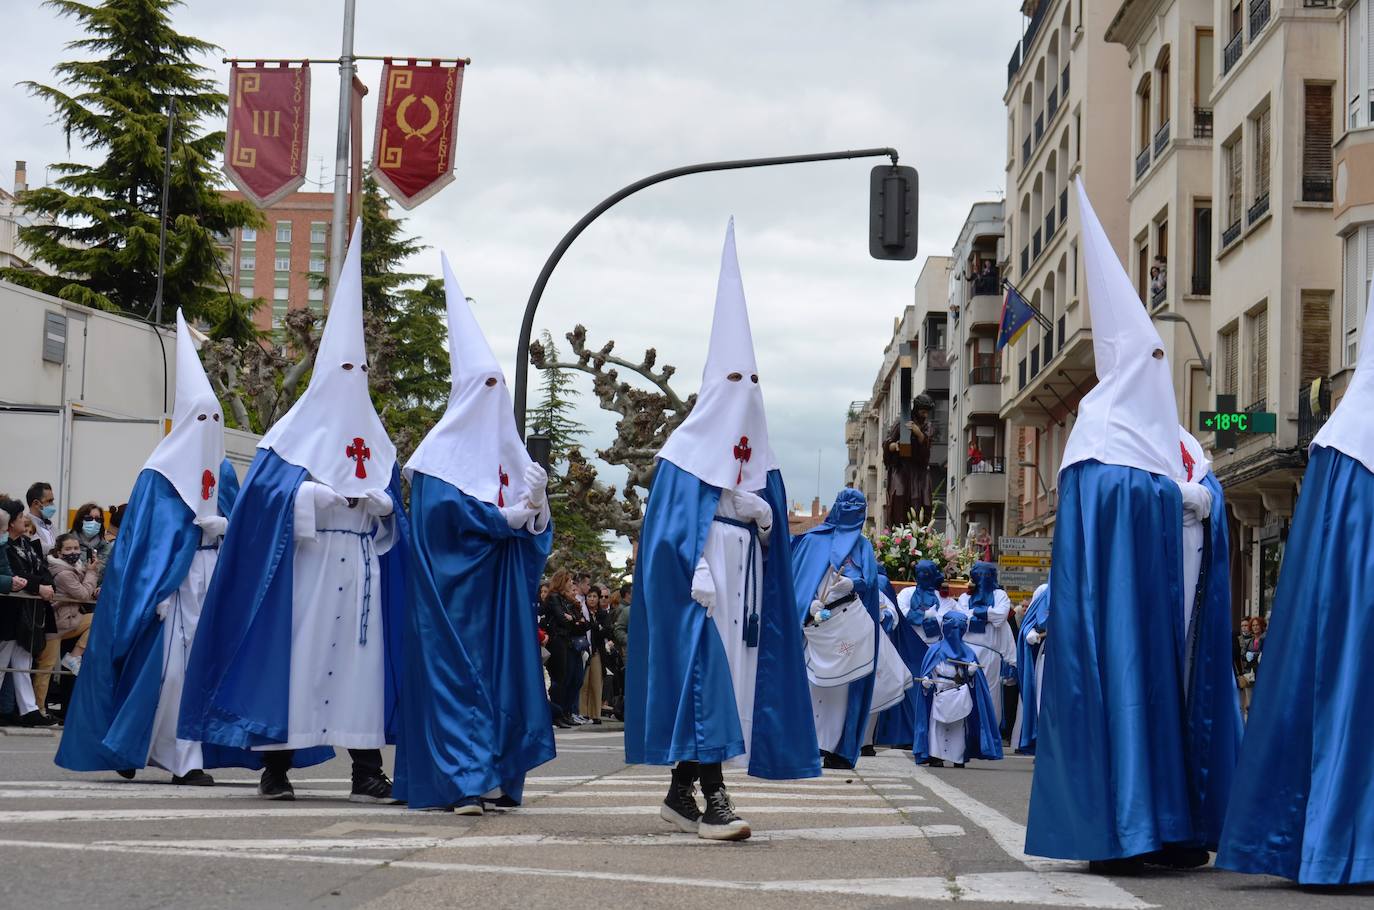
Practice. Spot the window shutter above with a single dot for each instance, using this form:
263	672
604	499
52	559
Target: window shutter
1262	155
1316	336
1235	162
1360	19
1316	136
1230	361
1259	356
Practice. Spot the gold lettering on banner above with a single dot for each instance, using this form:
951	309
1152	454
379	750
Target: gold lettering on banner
267	123
399	79
403	121
296	96
248	84
391	154
243	157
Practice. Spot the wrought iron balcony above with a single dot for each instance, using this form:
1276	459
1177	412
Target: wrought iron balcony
1059	343
1158	296
1014	64
1025	150
1202	123
1231	234
1202	284
1231	56
1052	103
1311	419
1142	162
1039	128
1047	347
1259	17
1064	83
1316	189
1025	260
1036	244
1049	224
985	375
1063	205
1258	209
1021	375
1162	138
1033	27
1035	361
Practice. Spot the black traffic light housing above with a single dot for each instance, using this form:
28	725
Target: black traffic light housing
893	191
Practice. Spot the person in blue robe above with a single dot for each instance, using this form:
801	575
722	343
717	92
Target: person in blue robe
1135	740
476	715
897	725
951	675
1030	646
1302	805
715	660
837	545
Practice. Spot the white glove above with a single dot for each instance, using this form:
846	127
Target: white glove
377	503
704	587
326	497
516	516
537	479
752	507
1197	501
213	526
836	587
1032	637
163	609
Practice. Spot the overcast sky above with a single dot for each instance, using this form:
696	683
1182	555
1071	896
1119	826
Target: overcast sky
566	102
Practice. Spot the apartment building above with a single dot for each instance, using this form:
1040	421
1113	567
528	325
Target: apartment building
13	215
915	362
1172	58
976	486
275	264
1351	185
1066	118
1277	266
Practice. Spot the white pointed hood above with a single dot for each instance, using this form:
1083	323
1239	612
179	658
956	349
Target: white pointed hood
474	446
1350	429
1196	464
1129	418
190	455
333	430
724	441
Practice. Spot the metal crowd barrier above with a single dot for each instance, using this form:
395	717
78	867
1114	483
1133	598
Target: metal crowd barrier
66	600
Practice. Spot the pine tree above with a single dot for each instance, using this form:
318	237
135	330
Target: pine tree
97	226
552	417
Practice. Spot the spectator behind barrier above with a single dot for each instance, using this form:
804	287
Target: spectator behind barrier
23	619
88	524
42	508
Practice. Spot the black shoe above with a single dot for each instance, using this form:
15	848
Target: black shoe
680	807
561	724
127	773
193	778
868	752
274	785
9	719
935	762
1127	865
597	721
958	764
834	762
37	719
1177	857
375	788
499	804
720	822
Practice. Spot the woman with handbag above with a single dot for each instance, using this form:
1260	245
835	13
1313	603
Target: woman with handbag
564	624
23	619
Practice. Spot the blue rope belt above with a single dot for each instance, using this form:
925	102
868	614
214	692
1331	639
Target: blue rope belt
208	546
365	541
751	581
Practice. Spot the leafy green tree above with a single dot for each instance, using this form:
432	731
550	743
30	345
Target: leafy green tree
97	226
552	416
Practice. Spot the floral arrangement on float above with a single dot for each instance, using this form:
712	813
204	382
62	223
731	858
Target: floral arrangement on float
899	548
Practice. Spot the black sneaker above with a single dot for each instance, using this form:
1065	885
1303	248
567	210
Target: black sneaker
472	807
1126	865
1177	857
37	719
374	788
720	822
868	752
935	762
127	773
499	804
193	778
274	785
561	724
680	807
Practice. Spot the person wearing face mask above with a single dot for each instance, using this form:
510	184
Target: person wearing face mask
476	719
300	648
989	632
716	668
123	713
1139	724
88	526
955	719
16	628
76	584
42	509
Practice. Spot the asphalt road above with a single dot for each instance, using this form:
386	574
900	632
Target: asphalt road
887	835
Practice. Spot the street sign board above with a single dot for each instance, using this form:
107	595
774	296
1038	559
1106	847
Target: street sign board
1238	421
1019	561
1022	580
1025	544
1023	564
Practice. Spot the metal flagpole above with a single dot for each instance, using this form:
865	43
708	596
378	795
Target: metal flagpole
339	234
1035	310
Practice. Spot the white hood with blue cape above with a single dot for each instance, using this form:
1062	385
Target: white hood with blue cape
1028	669
476	715
1138	725
679	696
838	544
982	739
110	724
1304	804
238	681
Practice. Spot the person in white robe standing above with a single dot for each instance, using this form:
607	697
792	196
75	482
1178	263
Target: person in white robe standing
989	633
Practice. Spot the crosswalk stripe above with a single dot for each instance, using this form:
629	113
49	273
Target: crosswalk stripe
753	810
579	793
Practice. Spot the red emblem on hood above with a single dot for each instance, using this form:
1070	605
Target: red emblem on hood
359	452
1188	461
742	453
207	484
504	481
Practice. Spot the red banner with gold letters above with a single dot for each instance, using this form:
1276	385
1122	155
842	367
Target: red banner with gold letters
417	128
266	143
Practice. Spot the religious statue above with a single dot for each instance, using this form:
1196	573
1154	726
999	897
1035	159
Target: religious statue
908	466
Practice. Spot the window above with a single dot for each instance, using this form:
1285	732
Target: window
283	264
1232	162
1314	359
283	232
1257	327
1359	257
316	294
317	232
248	262
1142	268
1229	344
317	264
249	235
1078	136
1260	130
1205	69
1202	247
1143	102
1316	143
280	293
1164	61
246	290
1358	76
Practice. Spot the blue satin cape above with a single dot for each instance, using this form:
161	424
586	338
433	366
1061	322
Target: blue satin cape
982	739
897	725
1304	807
1127	755
476	714
813	554
679	699
238	677
109	726
1037	614
227	492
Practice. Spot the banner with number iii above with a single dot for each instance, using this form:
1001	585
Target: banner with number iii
267	139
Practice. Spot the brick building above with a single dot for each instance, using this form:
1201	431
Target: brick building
275	263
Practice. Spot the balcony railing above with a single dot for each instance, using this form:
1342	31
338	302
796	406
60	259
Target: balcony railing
1047	347
1142	162
1064	83
1052	103
1310	419
1059	344
1162	138
1063	205
1035	361
1230	234
1259	17
1231	56
1202	284
1036	246
1258	406
1025	150
1039	128
991	283
1025	260
1021	375
1202	123
1319	4
1158	295
1257	211
1033	27
1316	189
981	464
1014	64
1049	224
985	375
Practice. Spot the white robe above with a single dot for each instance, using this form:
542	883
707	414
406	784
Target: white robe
726	555
1193	543
947	740
180	615
944	605
994	646
338	685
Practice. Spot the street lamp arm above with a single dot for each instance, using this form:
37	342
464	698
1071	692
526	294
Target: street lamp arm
1202	358
522	356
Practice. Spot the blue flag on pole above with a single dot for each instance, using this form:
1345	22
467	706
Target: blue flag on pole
1016	315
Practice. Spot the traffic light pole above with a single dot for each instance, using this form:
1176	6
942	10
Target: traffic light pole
522	361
